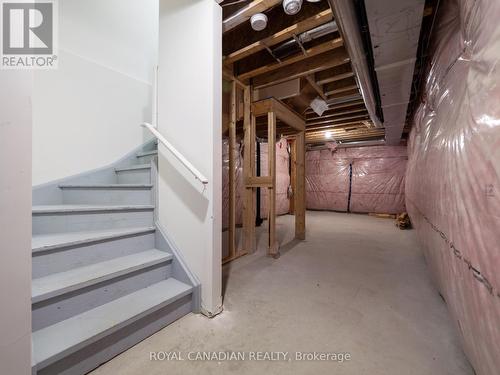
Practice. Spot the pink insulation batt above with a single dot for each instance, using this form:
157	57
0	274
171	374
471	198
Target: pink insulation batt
378	179
282	181
453	176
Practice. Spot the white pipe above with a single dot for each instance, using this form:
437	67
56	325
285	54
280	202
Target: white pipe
196	173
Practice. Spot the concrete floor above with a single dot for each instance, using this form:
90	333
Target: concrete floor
358	285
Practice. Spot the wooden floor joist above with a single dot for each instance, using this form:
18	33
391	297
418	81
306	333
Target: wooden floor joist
311	52
279	37
246	12
303	68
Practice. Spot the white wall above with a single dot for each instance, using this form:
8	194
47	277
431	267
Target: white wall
15	221
189	116
87	113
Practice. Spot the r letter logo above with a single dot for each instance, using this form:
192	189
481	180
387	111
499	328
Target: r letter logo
28	34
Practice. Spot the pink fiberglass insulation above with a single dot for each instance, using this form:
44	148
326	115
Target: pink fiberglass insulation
282	179
378	183
327	180
378	177
453	176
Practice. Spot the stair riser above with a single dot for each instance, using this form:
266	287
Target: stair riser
78	221
62	307
136	176
146	159
63	259
107	196
95	354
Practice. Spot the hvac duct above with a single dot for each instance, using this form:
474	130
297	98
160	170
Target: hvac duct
345	15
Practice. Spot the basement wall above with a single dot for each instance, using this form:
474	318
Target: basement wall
86	113
453	177
359	179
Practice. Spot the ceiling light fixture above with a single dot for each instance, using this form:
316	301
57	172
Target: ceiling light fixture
292	7
328	135
258	21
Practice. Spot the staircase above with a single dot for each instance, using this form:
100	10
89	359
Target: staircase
104	276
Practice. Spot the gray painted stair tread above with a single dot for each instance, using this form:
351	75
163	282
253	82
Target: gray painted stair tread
133	167
44	209
54	342
45	242
64	282
107	186
146	153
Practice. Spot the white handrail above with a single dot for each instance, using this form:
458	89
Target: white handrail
196	173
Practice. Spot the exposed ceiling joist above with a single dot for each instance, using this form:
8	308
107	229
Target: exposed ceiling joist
359	117
311	52
341	90
334	74
246	12
281	36
303	68
337	114
334	107
315	86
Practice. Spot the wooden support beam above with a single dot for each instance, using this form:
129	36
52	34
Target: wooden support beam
334	74
246	12
293	173
271	158
233	252
303	68
315	86
248	171
300	187
258	181
283	112
280	36
340	86
311	52
350	93
232	173
341	90
359	118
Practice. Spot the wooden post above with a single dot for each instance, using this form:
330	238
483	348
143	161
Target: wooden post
293	173
248	172
232	172
300	186
271	158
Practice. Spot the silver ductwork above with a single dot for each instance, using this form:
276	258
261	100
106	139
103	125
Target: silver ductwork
395	31
345	16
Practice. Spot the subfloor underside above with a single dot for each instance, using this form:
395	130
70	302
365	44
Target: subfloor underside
358	285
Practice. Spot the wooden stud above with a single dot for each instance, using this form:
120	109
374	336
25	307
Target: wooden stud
248	171
293	173
232	172
300	187
271	158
